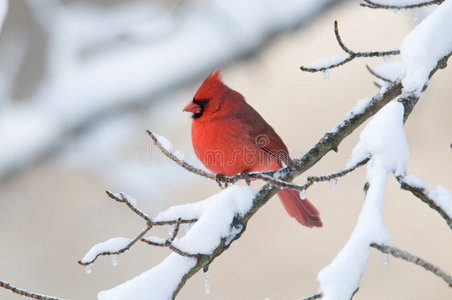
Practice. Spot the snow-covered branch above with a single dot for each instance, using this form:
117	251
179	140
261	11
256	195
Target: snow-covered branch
326	64
439	199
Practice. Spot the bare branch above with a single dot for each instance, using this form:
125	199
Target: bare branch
351	54
123	199
422	194
414	259
373	4
26	293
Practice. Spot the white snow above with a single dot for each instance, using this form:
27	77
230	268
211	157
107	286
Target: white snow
384	140
391	71
112	245
414	181
359	107
215	217
166	144
426	44
326	61
443	198
158	283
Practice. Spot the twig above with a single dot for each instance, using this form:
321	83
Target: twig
351	54
372	4
26	293
414	259
422	194
312	297
371	71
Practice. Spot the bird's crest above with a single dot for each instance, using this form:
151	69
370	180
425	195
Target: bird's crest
211	86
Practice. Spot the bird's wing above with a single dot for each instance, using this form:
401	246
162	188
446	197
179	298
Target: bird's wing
264	136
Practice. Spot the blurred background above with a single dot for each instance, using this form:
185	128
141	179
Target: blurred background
81	81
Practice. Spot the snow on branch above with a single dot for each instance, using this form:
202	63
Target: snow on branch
398	5
217	226
326	64
26	293
439	199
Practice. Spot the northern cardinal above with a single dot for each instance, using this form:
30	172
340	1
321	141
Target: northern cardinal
230	137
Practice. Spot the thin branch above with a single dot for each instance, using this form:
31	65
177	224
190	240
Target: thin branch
123	199
371	71
422	194
351	54
26	293
414	259
374	5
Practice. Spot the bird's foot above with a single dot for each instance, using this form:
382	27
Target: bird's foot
245	175
220	178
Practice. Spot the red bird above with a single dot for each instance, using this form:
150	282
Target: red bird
230	137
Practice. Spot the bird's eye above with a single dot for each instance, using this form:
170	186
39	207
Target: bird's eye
202	103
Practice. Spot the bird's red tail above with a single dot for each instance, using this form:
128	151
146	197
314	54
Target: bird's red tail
302	210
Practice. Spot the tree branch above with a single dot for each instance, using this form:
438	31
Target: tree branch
26	293
372	4
351	54
414	259
423	194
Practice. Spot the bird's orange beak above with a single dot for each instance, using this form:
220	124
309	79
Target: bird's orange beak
193	108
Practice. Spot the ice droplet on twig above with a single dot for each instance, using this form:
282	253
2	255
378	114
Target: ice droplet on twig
387	58
326	75
236	242
398	11
114	260
385	258
88	268
206	283
415	14
333	183
303	195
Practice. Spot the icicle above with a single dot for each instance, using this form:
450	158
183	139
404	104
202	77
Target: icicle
387	58
385	258
206	283
415	14
114	260
88	268
326	75
303	195
236	243
398	11
333	183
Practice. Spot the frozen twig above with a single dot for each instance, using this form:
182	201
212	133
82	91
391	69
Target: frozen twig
351	55
371	71
423	194
26	293
414	259
375	4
